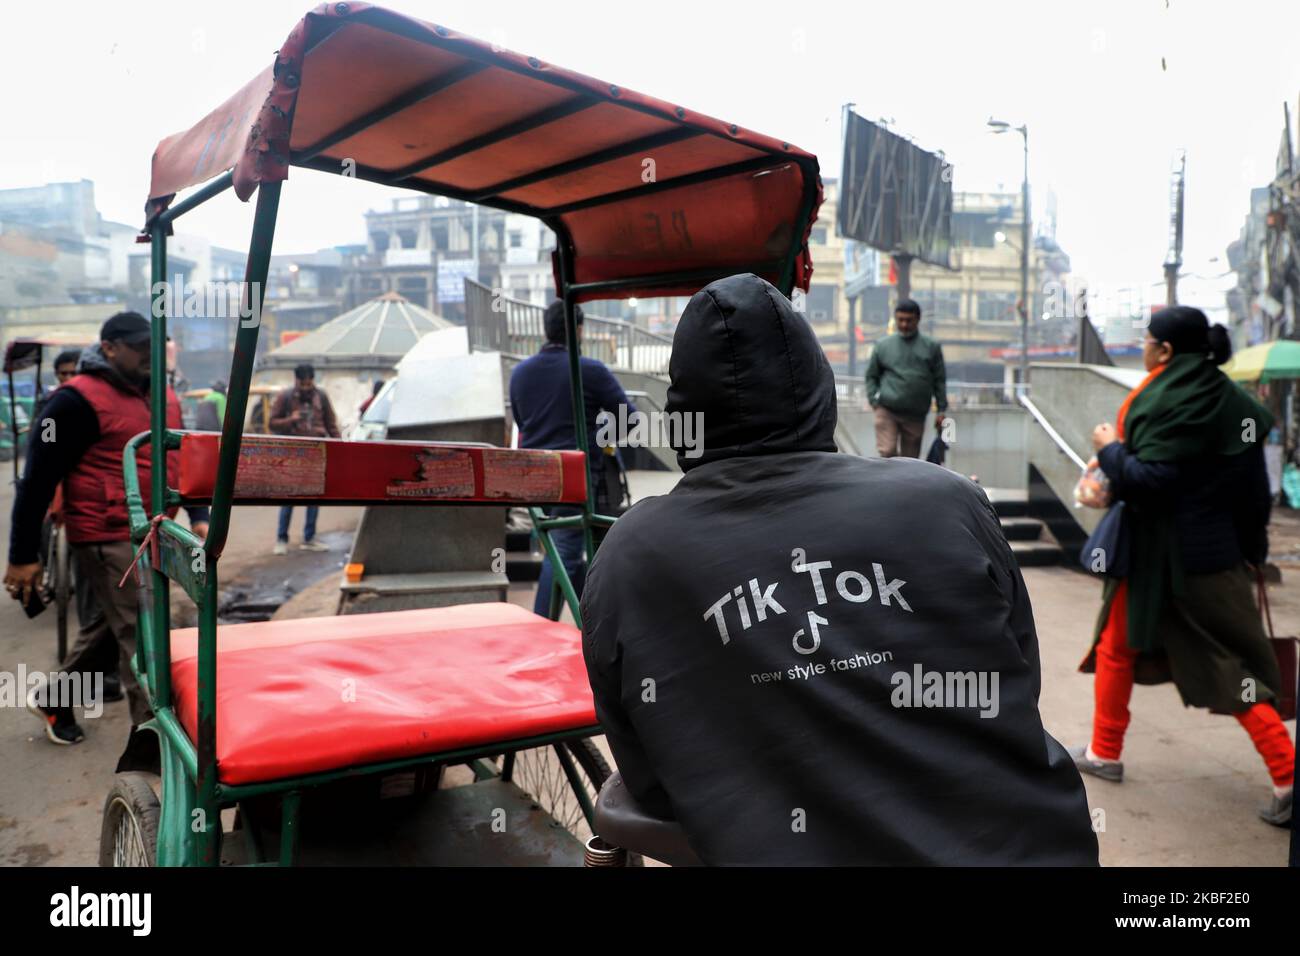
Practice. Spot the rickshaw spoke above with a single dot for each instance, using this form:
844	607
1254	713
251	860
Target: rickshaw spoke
541	774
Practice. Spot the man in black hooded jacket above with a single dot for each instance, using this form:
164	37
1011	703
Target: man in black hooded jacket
812	658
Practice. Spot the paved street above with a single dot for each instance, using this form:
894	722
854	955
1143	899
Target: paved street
1192	779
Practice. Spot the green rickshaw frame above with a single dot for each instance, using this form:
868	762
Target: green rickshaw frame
193	796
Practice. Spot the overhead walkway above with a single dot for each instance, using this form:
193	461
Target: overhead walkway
638	358
1027	453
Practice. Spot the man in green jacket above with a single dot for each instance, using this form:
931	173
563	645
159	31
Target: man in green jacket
906	370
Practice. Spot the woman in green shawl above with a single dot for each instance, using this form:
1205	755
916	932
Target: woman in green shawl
1186	458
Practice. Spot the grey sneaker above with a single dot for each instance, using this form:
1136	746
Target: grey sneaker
1278	811
313	545
281	547
1107	770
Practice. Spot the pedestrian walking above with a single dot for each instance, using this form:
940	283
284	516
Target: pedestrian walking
906	372
89	419
302	409
1185	456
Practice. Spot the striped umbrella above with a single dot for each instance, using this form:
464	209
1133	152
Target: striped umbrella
1263	363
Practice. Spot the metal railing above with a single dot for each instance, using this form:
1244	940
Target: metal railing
853	390
1061	445
496	322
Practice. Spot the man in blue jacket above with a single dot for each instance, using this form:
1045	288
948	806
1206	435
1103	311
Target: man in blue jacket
543	408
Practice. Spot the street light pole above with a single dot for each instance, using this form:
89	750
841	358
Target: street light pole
1024	268
1000	126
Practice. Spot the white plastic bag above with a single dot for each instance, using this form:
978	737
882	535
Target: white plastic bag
1093	487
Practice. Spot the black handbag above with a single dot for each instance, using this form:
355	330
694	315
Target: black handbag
1106	551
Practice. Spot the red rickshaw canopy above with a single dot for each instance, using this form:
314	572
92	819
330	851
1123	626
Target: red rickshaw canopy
649	197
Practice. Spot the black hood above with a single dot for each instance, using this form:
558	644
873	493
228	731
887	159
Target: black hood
745	359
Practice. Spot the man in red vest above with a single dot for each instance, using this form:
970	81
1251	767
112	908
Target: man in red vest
78	441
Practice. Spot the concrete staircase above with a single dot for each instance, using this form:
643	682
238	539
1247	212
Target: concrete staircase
1031	542
522	565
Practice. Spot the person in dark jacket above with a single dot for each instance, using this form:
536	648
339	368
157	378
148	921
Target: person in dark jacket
376	387
65	365
542	404
906	371
86	423
92	623
1187	459
786	651
210	414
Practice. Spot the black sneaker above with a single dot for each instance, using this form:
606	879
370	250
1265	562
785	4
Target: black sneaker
112	688
60	724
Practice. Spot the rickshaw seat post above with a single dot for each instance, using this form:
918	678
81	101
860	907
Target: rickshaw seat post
160	684
574	348
241	373
232	433
241	364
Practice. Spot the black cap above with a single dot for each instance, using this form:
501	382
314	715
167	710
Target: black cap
129	327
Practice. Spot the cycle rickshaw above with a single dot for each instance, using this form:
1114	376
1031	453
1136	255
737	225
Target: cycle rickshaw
279	739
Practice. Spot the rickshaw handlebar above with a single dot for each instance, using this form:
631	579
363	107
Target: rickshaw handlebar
138	517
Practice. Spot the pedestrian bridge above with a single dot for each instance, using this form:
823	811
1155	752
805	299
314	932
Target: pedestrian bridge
1026	446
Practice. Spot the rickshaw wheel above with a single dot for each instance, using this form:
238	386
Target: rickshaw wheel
129	836
538	773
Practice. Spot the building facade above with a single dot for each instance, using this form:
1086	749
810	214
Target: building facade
972	308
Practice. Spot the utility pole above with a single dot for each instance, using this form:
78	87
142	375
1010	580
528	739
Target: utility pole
852	299
903	266
1174	260
853	335
1000	126
474	242
1024	268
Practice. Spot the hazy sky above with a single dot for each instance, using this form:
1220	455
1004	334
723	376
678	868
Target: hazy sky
90	88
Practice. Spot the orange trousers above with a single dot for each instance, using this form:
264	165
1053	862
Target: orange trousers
1114	686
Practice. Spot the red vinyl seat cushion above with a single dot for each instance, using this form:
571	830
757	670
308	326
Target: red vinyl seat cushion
305	696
